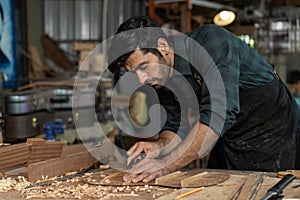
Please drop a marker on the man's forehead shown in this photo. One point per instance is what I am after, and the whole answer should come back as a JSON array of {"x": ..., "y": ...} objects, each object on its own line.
[{"x": 137, "y": 56}]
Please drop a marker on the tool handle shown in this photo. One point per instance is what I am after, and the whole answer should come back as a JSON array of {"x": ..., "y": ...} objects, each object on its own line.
[{"x": 278, "y": 187}]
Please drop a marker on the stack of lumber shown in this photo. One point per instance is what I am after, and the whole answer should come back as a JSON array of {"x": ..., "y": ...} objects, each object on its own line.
[
  {"x": 34, "y": 150},
  {"x": 42, "y": 150},
  {"x": 14, "y": 155}
]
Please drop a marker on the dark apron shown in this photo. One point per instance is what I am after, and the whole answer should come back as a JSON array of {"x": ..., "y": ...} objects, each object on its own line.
[{"x": 265, "y": 135}]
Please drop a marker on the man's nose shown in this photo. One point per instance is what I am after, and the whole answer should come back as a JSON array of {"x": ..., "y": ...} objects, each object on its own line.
[{"x": 142, "y": 76}]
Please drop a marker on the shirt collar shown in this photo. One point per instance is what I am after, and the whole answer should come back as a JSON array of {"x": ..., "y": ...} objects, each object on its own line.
[{"x": 180, "y": 63}]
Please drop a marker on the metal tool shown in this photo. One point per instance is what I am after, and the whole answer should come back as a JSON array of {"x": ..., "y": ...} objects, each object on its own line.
[
  {"x": 276, "y": 191},
  {"x": 80, "y": 173},
  {"x": 136, "y": 160}
]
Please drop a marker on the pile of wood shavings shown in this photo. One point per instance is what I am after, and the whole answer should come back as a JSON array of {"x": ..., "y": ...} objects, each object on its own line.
[
  {"x": 9, "y": 183},
  {"x": 75, "y": 189}
]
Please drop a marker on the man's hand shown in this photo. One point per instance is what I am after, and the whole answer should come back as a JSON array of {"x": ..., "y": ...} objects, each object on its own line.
[
  {"x": 146, "y": 171},
  {"x": 151, "y": 149},
  {"x": 163, "y": 145},
  {"x": 197, "y": 144}
]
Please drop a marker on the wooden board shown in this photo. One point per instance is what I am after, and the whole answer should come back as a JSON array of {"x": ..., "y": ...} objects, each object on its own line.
[
  {"x": 192, "y": 179},
  {"x": 290, "y": 192},
  {"x": 168, "y": 177},
  {"x": 251, "y": 186},
  {"x": 71, "y": 149},
  {"x": 60, "y": 166},
  {"x": 195, "y": 179},
  {"x": 204, "y": 179},
  {"x": 244, "y": 194},
  {"x": 42, "y": 150},
  {"x": 225, "y": 190}
]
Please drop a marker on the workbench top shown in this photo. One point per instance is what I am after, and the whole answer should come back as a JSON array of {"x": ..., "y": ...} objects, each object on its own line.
[{"x": 225, "y": 190}]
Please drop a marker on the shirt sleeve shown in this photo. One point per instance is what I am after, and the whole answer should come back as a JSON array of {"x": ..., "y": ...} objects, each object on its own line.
[{"x": 223, "y": 105}]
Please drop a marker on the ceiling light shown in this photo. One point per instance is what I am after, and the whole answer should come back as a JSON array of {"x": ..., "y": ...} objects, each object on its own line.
[{"x": 224, "y": 18}]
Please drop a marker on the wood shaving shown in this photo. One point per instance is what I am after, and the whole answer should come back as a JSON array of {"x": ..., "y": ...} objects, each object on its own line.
[
  {"x": 85, "y": 191},
  {"x": 9, "y": 183}
]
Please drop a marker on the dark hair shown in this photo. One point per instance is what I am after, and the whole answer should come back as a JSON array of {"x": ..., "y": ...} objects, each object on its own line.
[{"x": 131, "y": 36}]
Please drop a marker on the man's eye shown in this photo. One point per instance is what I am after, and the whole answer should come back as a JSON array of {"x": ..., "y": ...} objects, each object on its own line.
[{"x": 142, "y": 67}]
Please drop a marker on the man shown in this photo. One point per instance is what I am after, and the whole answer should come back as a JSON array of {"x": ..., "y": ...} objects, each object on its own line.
[{"x": 247, "y": 120}]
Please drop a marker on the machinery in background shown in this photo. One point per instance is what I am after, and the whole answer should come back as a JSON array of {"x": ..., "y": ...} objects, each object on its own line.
[{"x": 27, "y": 112}]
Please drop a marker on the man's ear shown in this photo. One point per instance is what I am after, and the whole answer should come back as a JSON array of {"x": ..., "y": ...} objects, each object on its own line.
[{"x": 163, "y": 45}]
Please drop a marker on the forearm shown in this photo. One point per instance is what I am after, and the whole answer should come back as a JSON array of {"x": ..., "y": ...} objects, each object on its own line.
[
  {"x": 198, "y": 143},
  {"x": 169, "y": 141}
]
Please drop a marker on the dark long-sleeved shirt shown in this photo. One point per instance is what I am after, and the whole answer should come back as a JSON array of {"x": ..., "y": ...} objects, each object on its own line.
[{"x": 226, "y": 65}]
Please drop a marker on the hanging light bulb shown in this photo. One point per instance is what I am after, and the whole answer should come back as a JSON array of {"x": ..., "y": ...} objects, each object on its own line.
[
  {"x": 224, "y": 15},
  {"x": 224, "y": 18}
]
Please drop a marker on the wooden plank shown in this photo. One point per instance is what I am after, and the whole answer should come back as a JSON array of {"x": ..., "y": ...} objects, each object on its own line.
[
  {"x": 224, "y": 191},
  {"x": 71, "y": 149},
  {"x": 32, "y": 141},
  {"x": 13, "y": 147},
  {"x": 14, "y": 155},
  {"x": 289, "y": 192},
  {"x": 167, "y": 177},
  {"x": 60, "y": 166},
  {"x": 41, "y": 142},
  {"x": 43, "y": 150},
  {"x": 45, "y": 156},
  {"x": 187, "y": 181},
  {"x": 252, "y": 186},
  {"x": 15, "y": 160},
  {"x": 4, "y": 155},
  {"x": 204, "y": 179},
  {"x": 245, "y": 192}
]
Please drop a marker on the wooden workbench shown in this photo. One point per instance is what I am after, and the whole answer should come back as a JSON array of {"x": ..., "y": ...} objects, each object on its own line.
[{"x": 224, "y": 190}]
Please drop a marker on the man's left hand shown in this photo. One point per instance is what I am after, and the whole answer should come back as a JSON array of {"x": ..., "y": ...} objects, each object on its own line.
[{"x": 146, "y": 170}]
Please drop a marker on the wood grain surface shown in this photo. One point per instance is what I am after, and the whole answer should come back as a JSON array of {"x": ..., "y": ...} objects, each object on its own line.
[{"x": 180, "y": 179}]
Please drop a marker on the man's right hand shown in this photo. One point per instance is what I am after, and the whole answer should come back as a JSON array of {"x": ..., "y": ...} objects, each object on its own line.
[
  {"x": 151, "y": 149},
  {"x": 166, "y": 142}
]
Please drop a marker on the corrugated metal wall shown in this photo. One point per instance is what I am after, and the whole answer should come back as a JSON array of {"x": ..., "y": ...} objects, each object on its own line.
[{"x": 94, "y": 20}]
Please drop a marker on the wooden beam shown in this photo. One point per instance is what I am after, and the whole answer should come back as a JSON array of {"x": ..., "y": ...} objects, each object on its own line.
[{"x": 60, "y": 166}]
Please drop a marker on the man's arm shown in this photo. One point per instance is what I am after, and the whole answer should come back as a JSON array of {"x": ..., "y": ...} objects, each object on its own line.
[
  {"x": 198, "y": 143},
  {"x": 166, "y": 142}
]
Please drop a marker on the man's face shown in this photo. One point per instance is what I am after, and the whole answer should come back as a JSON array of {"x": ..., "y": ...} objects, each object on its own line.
[{"x": 149, "y": 68}]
